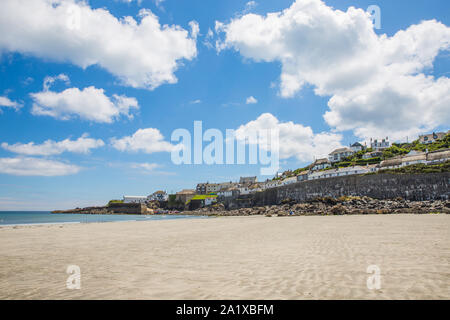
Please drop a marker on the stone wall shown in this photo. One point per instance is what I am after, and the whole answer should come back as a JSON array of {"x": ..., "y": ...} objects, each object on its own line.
[
  {"x": 416, "y": 187},
  {"x": 128, "y": 208}
]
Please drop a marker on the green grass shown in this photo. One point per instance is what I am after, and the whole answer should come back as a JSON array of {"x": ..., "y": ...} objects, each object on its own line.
[
  {"x": 203, "y": 196},
  {"x": 114, "y": 201}
]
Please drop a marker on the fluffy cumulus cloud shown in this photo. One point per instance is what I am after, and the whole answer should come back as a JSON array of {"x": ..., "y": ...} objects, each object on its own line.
[
  {"x": 148, "y": 140},
  {"x": 295, "y": 140},
  {"x": 88, "y": 104},
  {"x": 378, "y": 85},
  {"x": 84, "y": 144},
  {"x": 8, "y": 103},
  {"x": 25, "y": 166},
  {"x": 141, "y": 53},
  {"x": 251, "y": 100}
]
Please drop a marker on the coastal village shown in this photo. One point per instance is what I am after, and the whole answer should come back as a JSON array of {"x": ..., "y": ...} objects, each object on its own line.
[{"x": 357, "y": 159}]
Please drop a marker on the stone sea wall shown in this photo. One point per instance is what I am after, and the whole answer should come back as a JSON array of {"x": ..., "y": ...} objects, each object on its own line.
[{"x": 414, "y": 187}]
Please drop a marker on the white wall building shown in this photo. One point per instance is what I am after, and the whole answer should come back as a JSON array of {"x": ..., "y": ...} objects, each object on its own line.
[
  {"x": 225, "y": 193},
  {"x": 289, "y": 181},
  {"x": 320, "y": 164},
  {"x": 339, "y": 154},
  {"x": 356, "y": 147},
  {"x": 341, "y": 172},
  {"x": 378, "y": 145},
  {"x": 158, "y": 196},
  {"x": 135, "y": 199},
  {"x": 210, "y": 201},
  {"x": 303, "y": 176},
  {"x": 271, "y": 184}
]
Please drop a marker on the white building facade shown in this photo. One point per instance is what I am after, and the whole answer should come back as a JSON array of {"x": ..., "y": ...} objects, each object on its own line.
[{"x": 135, "y": 199}]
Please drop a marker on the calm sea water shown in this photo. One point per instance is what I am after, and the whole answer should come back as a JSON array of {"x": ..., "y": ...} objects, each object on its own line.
[{"x": 45, "y": 217}]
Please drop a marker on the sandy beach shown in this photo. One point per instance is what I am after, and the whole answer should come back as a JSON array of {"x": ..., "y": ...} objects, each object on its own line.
[{"x": 231, "y": 258}]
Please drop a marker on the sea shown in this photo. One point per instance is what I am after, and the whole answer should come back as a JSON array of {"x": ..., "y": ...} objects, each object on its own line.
[{"x": 45, "y": 217}]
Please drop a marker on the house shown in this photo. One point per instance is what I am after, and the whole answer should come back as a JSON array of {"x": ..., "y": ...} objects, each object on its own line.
[
  {"x": 209, "y": 201},
  {"x": 414, "y": 159},
  {"x": 201, "y": 188},
  {"x": 378, "y": 145},
  {"x": 185, "y": 195},
  {"x": 402, "y": 161},
  {"x": 207, "y": 188},
  {"x": 199, "y": 201},
  {"x": 255, "y": 187},
  {"x": 417, "y": 158},
  {"x": 357, "y": 147},
  {"x": 392, "y": 163},
  {"x": 432, "y": 137},
  {"x": 225, "y": 192},
  {"x": 373, "y": 154},
  {"x": 134, "y": 199},
  {"x": 289, "y": 180},
  {"x": 438, "y": 156},
  {"x": 248, "y": 180},
  {"x": 212, "y": 188},
  {"x": 303, "y": 176},
  {"x": 271, "y": 184},
  {"x": 320, "y": 164},
  {"x": 243, "y": 190},
  {"x": 340, "y": 172},
  {"x": 158, "y": 196},
  {"x": 339, "y": 154}
]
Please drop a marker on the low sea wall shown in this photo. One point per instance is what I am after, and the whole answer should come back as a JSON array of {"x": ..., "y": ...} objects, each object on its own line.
[{"x": 415, "y": 187}]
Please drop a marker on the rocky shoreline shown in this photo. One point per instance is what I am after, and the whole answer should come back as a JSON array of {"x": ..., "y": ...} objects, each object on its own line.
[
  {"x": 288, "y": 207},
  {"x": 331, "y": 206}
]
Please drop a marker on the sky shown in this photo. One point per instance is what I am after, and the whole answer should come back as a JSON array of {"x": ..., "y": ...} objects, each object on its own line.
[{"x": 91, "y": 91}]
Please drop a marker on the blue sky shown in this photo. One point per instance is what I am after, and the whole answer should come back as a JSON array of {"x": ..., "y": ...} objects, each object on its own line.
[{"x": 212, "y": 85}]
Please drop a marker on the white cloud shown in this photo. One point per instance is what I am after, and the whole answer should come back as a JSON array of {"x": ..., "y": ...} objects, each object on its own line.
[
  {"x": 250, "y": 5},
  {"x": 376, "y": 83},
  {"x": 195, "y": 101},
  {"x": 208, "y": 39},
  {"x": 36, "y": 167},
  {"x": 151, "y": 168},
  {"x": 50, "y": 147},
  {"x": 89, "y": 104},
  {"x": 142, "y": 54},
  {"x": 130, "y": 1},
  {"x": 195, "y": 29},
  {"x": 295, "y": 140},
  {"x": 48, "y": 81},
  {"x": 7, "y": 103},
  {"x": 148, "y": 140},
  {"x": 251, "y": 100}
]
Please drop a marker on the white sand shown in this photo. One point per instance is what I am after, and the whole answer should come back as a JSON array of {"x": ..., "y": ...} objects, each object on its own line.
[{"x": 231, "y": 258}]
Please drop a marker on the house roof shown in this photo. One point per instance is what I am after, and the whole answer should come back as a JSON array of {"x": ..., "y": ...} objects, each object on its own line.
[
  {"x": 186, "y": 191},
  {"x": 247, "y": 179},
  {"x": 321, "y": 161},
  {"x": 439, "y": 135},
  {"x": 438, "y": 155},
  {"x": 341, "y": 150},
  {"x": 357, "y": 144},
  {"x": 159, "y": 192}
]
